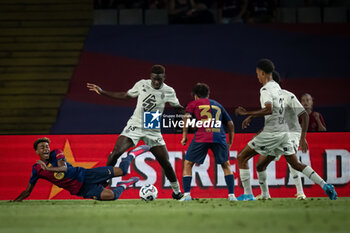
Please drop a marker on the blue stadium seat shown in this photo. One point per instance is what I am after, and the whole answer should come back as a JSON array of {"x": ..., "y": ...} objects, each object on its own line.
[
  {"x": 335, "y": 15},
  {"x": 287, "y": 15},
  {"x": 156, "y": 16},
  {"x": 105, "y": 17},
  {"x": 309, "y": 15},
  {"x": 130, "y": 16}
]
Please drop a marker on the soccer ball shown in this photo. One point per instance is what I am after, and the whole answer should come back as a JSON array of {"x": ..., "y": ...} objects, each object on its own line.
[{"x": 148, "y": 192}]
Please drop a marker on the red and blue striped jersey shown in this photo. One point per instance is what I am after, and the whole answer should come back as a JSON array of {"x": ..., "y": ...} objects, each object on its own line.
[
  {"x": 71, "y": 180},
  {"x": 205, "y": 109}
]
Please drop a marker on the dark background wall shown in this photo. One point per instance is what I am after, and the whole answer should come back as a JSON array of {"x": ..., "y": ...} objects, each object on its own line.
[{"x": 312, "y": 58}]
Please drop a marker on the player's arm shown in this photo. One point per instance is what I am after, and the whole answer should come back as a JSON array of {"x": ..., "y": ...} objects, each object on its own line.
[
  {"x": 267, "y": 110},
  {"x": 25, "y": 193},
  {"x": 61, "y": 166},
  {"x": 231, "y": 133},
  {"x": 111, "y": 94},
  {"x": 304, "y": 126},
  {"x": 185, "y": 129},
  {"x": 253, "y": 114}
]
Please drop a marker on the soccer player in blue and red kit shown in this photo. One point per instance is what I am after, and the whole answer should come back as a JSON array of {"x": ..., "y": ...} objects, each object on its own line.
[
  {"x": 210, "y": 118},
  {"x": 79, "y": 181}
]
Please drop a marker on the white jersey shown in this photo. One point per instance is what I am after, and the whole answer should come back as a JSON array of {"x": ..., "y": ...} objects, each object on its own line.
[
  {"x": 150, "y": 100},
  {"x": 271, "y": 93},
  {"x": 293, "y": 109}
]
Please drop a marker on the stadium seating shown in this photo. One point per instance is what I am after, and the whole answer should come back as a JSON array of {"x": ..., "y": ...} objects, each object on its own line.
[
  {"x": 130, "y": 16},
  {"x": 309, "y": 15},
  {"x": 287, "y": 15},
  {"x": 105, "y": 17},
  {"x": 335, "y": 15},
  {"x": 40, "y": 43},
  {"x": 155, "y": 16}
]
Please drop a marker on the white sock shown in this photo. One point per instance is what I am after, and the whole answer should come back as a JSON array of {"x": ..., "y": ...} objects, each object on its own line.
[
  {"x": 175, "y": 186},
  {"x": 187, "y": 194},
  {"x": 245, "y": 179},
  {"x": 312, "y": 175},
  {"x": 297, "y": 179},
  {"x": 262, "y": 177}
]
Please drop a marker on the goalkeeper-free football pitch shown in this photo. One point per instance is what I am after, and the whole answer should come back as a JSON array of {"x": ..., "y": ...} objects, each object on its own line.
[{"x": 169, "y": 216}]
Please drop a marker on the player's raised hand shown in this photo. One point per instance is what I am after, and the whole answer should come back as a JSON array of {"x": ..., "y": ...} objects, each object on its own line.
[
  {"x": 95, "y": 88},
  {"x": 42, "y": 164},
  {"x": 246, "y": 122},
  {"x": 240, "y": 111},
  {"x": 303, "y": 145}
]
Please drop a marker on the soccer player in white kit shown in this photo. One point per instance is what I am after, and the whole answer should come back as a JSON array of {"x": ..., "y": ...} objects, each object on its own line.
[
  {"x": 152, "y": 96},
  {"x": 297, "y": 135},
  {"x": 274, "y": 138}
]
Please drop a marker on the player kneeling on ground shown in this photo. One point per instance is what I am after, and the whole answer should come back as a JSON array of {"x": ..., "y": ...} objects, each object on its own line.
[{"x": 79, "y": 181}]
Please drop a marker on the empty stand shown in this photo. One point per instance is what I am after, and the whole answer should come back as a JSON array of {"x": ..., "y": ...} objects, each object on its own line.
[
  {"x": 105, "y": 17},
  {"x": 130, "y": 16},
  {"x": 309, "y": 15},
  {"x": 40, "y": 43},
  {"x": 287, "y": 15},
  {"x": 335, "y": 15},
  {"x": 155, "y": 16}
]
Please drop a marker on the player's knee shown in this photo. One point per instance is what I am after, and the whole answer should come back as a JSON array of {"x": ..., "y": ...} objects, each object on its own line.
[
  {"x": 260, "y": 167},
  {"x": 240, "y": 158},
  {"x": 188, "y": 164},
  {"x": 107, "y": 195},
  {"x": 226, "y": 165},
  {"x": 117, "y": 152}
]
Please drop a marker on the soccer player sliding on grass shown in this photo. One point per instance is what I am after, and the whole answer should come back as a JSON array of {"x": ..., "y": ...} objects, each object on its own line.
[
  {"x": 274, "y": 138},
  {"x": 79, "y": 181}
]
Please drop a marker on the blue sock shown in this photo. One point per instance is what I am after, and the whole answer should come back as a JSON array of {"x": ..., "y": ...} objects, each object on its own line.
[
  {"x": 230, "y": 182},
  {"x": 117, "y": 192},
  {"x": 125, "y": 163},
  {"x": 186, "y": 183}
]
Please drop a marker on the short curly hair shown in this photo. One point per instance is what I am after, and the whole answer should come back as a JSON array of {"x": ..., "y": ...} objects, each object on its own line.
[{"x": 39, "y": 140}]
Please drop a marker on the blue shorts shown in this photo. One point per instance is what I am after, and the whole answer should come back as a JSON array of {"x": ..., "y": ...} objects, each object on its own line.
[
  {"x": 92, "y": 187},
  {"x": 197, "y": 151}
]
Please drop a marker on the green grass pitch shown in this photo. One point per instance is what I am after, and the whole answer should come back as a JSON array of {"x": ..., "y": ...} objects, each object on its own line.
[{"x": 169, "y": 216}]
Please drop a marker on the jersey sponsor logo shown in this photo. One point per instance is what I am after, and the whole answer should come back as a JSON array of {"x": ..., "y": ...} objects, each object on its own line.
[
  {"x": 151, "y": 120},
  {"x": 149, "y": 103},
  {"x": 59, "y": 175}
]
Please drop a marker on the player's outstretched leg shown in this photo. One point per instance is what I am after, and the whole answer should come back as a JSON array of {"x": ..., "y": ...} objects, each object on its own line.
[
  {"x": 312, "y": 175},
  {"x": 123, "y": 143},
  {"x": 139, "y": 150},
  {"x": 161, "y": 154},
  {"x": 298, "y": 184},
  {"x": 244, "y": 173},
  {"x": 122, "y": 185},
  {"x": 124, "y": 165}
]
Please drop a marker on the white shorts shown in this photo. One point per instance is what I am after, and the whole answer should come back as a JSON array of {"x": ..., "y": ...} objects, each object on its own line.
[
  {"x": 272, "y": 143},
  {"x": 150, "y": 137},
  {"x": 294, "y": 139}
]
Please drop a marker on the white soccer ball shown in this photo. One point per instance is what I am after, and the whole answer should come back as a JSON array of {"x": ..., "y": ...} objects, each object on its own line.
[{"x": 148, "y": 192}]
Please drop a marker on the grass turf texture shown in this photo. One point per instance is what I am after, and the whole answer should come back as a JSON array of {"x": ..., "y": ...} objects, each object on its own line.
[{"x": 167, "y": 216}]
